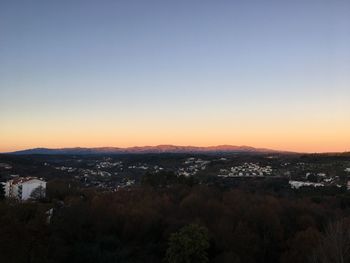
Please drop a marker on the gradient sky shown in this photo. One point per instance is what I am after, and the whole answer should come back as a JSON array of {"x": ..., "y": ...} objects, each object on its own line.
[{"x": 269, "y": 73}]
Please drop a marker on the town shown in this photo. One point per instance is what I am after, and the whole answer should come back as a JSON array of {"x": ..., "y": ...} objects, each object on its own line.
[{"x": 110, "y": 173}]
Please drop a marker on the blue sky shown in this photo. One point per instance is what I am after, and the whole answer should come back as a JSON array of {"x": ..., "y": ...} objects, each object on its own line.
[{"x": 210, "y": 64}]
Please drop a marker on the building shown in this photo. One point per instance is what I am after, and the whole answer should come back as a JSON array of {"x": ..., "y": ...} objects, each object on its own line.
[{"x": 24, "y": 188}]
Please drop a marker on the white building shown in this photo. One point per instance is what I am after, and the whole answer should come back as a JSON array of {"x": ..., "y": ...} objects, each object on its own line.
[
  {"x": 298, "y": 184},
  {"x": 22, "y": 188}
]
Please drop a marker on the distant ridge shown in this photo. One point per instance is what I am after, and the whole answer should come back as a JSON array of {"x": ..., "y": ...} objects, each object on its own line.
[{"x": 147, "y": 149}]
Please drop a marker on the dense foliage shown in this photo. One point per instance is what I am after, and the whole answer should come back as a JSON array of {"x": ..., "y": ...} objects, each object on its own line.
[
  {"x": 177, "y": 223},
  {"x": 188, "y": 245}
]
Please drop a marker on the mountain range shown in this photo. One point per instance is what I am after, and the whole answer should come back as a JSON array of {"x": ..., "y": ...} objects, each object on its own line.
[{"x": 146, "y": 149}]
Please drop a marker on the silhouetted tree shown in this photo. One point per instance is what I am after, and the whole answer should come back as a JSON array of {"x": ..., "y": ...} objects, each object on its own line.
[
  {"x": 133, "y": 225},
  {"x": 188, "y": 245},
  {"x": 335, "y": 244},
  {"x": 38, "y": 193},
  {"x": 60, "y": 189},
  {"x": 301, "y": 246}
]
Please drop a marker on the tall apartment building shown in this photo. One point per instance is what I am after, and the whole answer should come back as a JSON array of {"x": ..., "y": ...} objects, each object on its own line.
[{"x": 24, "y": 188}]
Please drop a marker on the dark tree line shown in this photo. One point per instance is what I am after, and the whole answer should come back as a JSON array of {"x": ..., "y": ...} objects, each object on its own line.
[{"x": 174, "y": 223}]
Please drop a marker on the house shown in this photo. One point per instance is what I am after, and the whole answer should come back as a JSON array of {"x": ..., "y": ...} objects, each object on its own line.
[
  {"x": 298, "y": 184},
  {"x": 24, "y": 188},
  {"x": 5, "y": 166}
]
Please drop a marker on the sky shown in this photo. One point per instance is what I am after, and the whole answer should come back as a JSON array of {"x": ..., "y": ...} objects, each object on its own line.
[{"x": 271, "y": 74}]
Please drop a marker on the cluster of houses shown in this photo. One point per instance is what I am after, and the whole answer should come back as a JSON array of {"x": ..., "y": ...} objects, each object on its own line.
[
  {"x": 5, "y": 166},
  {"x": 66, "y": 169},
  {"x": 89, "y": 172},
  {"x": 98, "y": 166},
  {"x": 192, "y": 166},
  {"x": 108, "y": 164},
  {"x": 25, "y": 188},
  {"x": 99, "y": 174},
  {"x": 246, "y": 170},
  {"x": 319, "y": 180},
  {"x": 297, "y": 184},
  {"x": 140, "y": 166}
]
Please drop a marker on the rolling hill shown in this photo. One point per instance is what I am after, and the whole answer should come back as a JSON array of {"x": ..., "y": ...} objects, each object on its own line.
[{"x": 146, "y": 149}]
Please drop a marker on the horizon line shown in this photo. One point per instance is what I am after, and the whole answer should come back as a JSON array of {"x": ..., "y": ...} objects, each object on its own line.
[{"x": 174, "y": 145}]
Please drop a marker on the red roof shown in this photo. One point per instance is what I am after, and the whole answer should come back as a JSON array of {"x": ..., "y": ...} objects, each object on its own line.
[{"x": 21, "y": 180}]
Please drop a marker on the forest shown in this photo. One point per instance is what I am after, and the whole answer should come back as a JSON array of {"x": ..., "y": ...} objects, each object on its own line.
[{"x": 177, "y": 222}]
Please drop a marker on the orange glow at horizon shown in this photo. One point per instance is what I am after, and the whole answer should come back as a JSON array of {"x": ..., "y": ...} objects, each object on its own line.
[
  {"x": 314, "y": 131},
  {"x": 310, "y": 140}
]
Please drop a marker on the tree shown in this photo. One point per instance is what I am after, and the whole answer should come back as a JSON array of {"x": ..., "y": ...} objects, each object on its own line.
[
  {"x": 188, "y": 245},
  {"x": 38, "y": 193},
  {"x": 335, "y": 245},
  {"x": 162, "y": 179},
  {"x": 60, "y": 189},
  {"x": 300, "y": 246}
]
